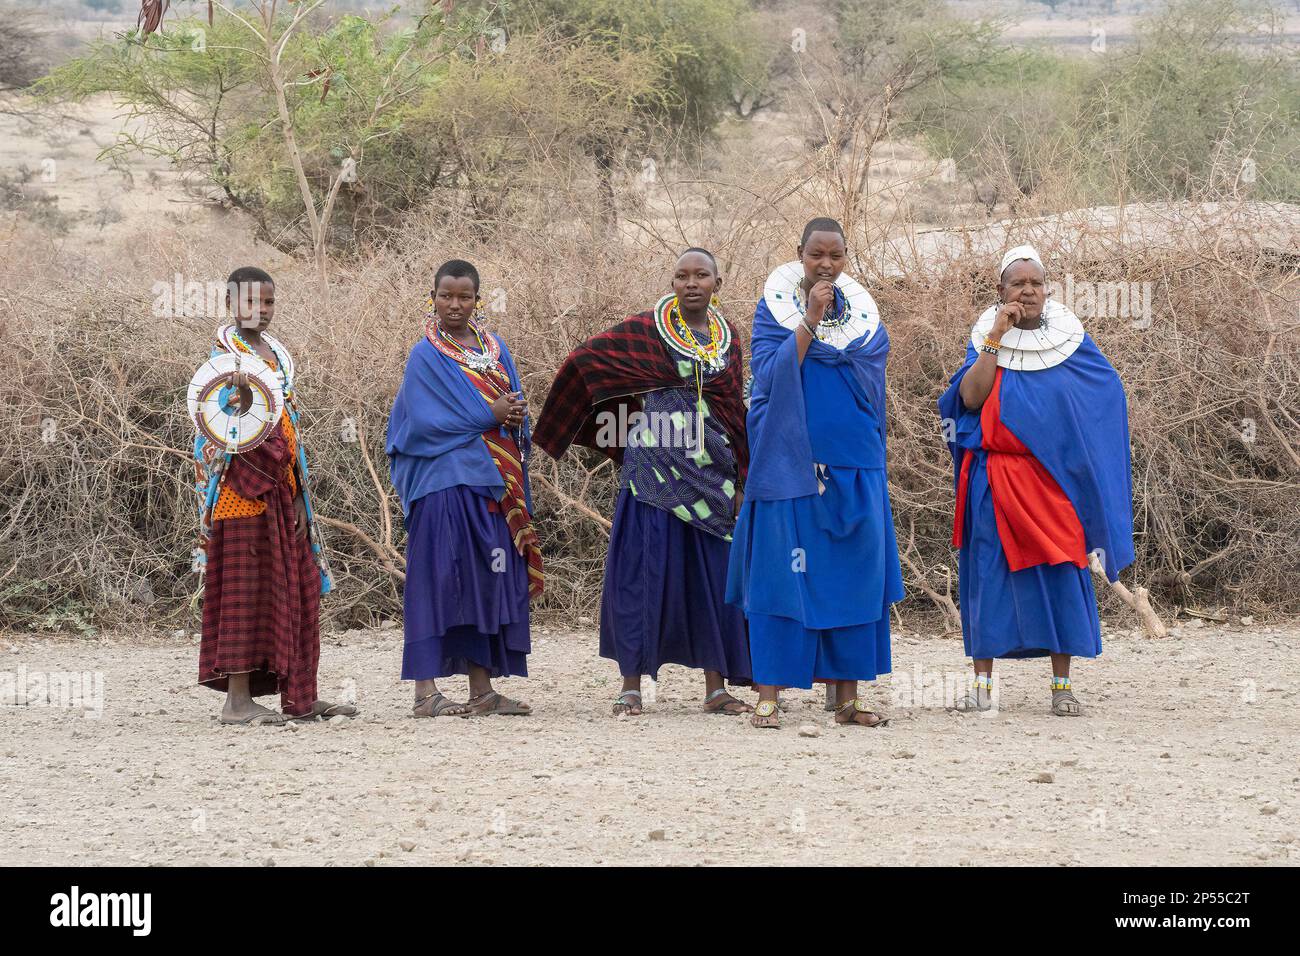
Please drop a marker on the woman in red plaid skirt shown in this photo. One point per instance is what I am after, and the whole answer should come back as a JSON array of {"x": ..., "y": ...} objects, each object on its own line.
[{"x": 264, "y": 568}]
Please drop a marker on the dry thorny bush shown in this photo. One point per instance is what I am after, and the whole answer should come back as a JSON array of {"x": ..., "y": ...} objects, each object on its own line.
[{"x": 98, "y": 510}]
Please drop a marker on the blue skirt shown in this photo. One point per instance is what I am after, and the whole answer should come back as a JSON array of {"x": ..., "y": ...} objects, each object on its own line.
[
  {"x": 663, "y": 600},
  {"x": 1046, "y": 609},
  {"x": 466, "y": 597},
  {"x": 787, "y": 654},
  {"x": 816, "y": 576}
]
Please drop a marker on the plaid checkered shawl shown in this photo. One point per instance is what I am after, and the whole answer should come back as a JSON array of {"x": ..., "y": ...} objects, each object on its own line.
[{"x": 616, "y": 366}]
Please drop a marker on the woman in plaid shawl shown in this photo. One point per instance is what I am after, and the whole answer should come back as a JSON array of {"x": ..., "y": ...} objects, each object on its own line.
[
  {"x": 264, "y": 570},
  {"x": 458, "y": 452},
  {"x": 660, "y": 395}
]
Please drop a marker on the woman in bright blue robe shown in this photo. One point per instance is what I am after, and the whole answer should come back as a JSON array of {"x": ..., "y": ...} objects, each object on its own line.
[{"x": 814, "y": 561}]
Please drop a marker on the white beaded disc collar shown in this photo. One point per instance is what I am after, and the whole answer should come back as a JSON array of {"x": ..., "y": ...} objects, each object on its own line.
[
  {"x": 861, "y": 318},
  {"x": 229, "y": 339},
  {"x": 1029, "y": 350}
]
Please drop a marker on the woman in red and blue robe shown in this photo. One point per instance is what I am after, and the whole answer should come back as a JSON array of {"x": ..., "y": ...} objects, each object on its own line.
[{"x": 1037, "y": 423}]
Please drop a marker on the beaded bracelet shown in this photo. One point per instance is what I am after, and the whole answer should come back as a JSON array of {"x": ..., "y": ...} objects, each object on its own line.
[
  {"x": 807, "y": 328},
  {"x": 991, "y": 347}
]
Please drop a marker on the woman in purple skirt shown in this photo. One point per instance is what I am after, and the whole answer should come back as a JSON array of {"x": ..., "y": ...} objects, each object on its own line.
[
  {"x": 457, "y": 447},
  {"x": 661, "y": 394}
]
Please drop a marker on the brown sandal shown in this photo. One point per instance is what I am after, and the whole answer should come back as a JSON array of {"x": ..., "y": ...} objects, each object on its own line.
[
  {"x": 493, "y": 703},
  {"x": 721, "y": 692},
  {"x": 1065, "y": 704},
  {"x": 859, "y": 706},
  {"x": 438, "y": 706}
]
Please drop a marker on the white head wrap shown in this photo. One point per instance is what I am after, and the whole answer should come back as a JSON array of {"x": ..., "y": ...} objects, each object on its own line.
[{"x": 1016, "y": 255}]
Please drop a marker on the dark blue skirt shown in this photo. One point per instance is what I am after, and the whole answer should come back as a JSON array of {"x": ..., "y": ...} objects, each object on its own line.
[
  {"x": 466, "y": 598},
  {"x": 664, "y": 597}
]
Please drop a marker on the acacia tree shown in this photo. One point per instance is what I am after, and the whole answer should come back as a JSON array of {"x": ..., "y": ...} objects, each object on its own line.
[
  {"x": 327, "y": 132},
  {"x": 277, "y": 114},
  {"x": 692, "y": 52}
]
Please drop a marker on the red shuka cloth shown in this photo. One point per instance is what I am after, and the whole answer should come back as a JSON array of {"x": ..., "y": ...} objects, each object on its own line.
[
  {"x": 261, "y": 590},
  {"x": 1037, "y": 523}
]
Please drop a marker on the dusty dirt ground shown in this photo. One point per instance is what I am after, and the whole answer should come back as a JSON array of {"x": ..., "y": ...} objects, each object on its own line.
[{"x": 1186, "y": 755}]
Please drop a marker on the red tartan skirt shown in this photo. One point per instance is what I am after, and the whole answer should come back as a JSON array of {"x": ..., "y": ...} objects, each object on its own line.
[{"x": 261, "y": 592}]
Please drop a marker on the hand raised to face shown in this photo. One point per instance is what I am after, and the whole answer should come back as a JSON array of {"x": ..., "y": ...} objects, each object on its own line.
[{"x": 820, "y": 298}]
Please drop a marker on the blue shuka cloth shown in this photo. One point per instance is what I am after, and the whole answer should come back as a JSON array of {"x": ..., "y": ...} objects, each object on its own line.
[
  {"x": 1046, "y": 609},
  {"x": 461, "y": 607},
  {"x": 436, "y": 428},
  {"x": 1073, "y": 418},
  {"x": 814, "y": 561},
  {"x": 780, "y": 452}
]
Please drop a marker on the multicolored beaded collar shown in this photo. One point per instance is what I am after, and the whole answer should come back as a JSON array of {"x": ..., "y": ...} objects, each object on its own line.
[
  {"x": 681, "y": 338},
  {"x": 229, "y": 339}
]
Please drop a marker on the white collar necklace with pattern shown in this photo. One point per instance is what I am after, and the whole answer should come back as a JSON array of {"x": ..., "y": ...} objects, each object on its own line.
[
  {"x": 228, "y": 338},
  {"x": 861, "y": 317},
  {"x": 1029, "y": 350}
]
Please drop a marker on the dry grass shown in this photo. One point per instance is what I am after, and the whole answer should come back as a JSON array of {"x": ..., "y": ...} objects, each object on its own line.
[{"x": 97, "y": 511}]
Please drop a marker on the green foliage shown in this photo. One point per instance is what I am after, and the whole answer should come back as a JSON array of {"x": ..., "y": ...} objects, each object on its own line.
[
  {"x": 1015, "y": 106},
  {"x": 695, "y": 50},
  {"x": 1207, "y": 101},
  {"x": 383, "y": 118},
  {"x": 187, "y": 93},
  {"x": 918, "y": 41},
  {"x": 1193, "y": 105}
]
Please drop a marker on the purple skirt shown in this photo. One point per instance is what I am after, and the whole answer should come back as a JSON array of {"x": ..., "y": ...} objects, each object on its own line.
[
  {"x": 466, "y": 598},
  {"x": 663, "y": 601}
]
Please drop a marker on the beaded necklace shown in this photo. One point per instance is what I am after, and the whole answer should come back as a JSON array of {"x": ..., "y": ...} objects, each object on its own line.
[
  {"x": 487, "y": 360},
  {"x": 711, "y": 354},
  {"x": 839, "y": 314},
  {"x": 280, "y": 367},
  {"x": 682, "y": 339}
]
